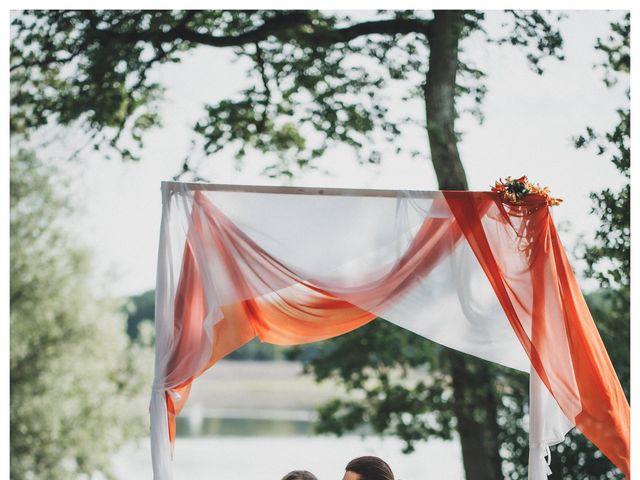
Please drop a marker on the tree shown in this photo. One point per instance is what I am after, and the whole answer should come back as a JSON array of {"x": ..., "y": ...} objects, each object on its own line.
[
  {"x": 320, "y": 80},
  {"x": 75, "y": 384}
]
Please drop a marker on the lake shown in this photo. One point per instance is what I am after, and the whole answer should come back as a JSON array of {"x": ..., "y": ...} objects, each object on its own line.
[
  {"x": 264, "y": 458},
  {"x": 253, "y": 421}
]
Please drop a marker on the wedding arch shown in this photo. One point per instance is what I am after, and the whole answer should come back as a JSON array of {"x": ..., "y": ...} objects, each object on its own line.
[{"x": 481, "y": 272}]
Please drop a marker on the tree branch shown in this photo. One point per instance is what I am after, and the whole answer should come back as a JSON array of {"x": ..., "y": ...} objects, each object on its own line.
[
  {"x": 380, "y": 27},
  {"x": 278, "y": 25}
]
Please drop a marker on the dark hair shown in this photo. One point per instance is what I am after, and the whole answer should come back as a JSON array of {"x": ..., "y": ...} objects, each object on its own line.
[
  {"x": 370, "y": 468},
  {"x": 299, "y": 475}
]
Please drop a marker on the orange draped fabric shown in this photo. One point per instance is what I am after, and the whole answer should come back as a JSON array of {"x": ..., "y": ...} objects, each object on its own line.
[
  {"x": 517, "y": 247},
  {"x": 297, "y": 313},
  {"x": 542, "y": 300}
]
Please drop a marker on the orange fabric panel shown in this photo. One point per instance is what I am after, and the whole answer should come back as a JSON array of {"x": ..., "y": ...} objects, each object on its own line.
[
  {"x": 316, "y": 316},
  {"x": 605, "y": 416},
  {"x": 520, "y": 251},
  {"x": 291, "y": 311},
  {"x": 229, "y": 334}
]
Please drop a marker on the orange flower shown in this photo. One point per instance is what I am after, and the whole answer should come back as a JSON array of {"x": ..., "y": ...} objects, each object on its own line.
[
  {"x": 498, "y": 187},
  {"x": 513, "y": 191}
]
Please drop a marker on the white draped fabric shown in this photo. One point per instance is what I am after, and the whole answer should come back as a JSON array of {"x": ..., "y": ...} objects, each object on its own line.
[{"x": 320, "y": 264}]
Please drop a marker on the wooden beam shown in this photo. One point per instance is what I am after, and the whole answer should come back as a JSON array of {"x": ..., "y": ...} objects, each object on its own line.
[{"x": 344, "y": 192}]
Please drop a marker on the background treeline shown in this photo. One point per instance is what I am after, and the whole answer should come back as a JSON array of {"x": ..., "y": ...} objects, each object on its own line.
[{"x": 78, "y": 385}]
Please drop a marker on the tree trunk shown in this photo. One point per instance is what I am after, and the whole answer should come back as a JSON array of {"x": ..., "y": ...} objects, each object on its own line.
[
  {"x": 474, "y": 405},
  {"x": 474, "y": 399},
  {"x": 440, "y": 99}
]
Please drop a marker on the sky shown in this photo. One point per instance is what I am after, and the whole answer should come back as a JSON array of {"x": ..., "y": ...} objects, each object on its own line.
[{"x": 530, "y": 121}]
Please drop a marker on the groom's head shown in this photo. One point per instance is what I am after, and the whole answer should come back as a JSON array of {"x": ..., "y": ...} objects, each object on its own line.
[{"x": 368, "y": 468}]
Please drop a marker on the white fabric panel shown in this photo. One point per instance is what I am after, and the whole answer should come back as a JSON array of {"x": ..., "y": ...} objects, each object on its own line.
[
  {"x": 547, "y": 427},
  {"x": 165, "y": 295},
  {"x": 456, "y": 307}
]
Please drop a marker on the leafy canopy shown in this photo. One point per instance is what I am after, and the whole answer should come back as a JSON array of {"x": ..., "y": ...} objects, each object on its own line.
[{"x": 315, "y": 79}]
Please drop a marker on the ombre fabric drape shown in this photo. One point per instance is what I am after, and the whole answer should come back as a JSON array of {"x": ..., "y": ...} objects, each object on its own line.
[{"x": 459, "y": 268}]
